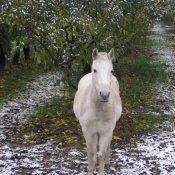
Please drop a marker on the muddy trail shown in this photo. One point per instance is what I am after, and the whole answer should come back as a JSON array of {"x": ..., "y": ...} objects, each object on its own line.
[{"x": 150, "y": 154}]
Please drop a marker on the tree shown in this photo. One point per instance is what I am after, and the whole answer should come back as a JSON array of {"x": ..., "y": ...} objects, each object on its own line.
[
  {"x": 2, "y": 58},
  {"x": 5, "y": 37},
  {"x": 63, "y": 33}
]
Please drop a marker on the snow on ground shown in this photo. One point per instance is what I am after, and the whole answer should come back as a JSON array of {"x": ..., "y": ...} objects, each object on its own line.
[
  {"x": 37, "y": 93},
  {"x": 152, "y": 154},
  {"x": 166, "y": 52}
]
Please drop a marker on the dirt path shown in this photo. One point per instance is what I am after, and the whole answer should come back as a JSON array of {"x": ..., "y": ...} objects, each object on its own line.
[{"x": 152, "y": 154}]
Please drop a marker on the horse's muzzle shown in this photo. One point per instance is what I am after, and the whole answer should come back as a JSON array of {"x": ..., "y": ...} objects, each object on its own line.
[{"x": 104, "y": 96}]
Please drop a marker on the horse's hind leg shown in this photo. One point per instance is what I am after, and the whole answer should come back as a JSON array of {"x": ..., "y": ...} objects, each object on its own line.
[{"x": 91, "y": 142}]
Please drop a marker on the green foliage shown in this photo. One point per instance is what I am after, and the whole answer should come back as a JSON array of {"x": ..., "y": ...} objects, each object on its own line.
[
  {"x": 169, "y": 11},
  {"x": 60, "y": 32}
]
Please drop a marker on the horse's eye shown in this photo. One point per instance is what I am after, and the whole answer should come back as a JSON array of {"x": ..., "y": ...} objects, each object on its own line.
[
  {"x": 112, "y": 71},
  {"x": 95, "y": 70}
]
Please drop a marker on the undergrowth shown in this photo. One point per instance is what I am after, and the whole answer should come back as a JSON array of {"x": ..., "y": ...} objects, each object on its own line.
[
  {"x": 13, "y": 81},
  {"x": 55, "y": 120},
  {"x": 142, "y": 73},
  {"x": 136, "y": 73}
]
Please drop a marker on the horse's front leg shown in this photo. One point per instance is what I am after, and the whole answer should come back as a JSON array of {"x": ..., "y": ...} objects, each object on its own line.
[
  {"x": 107, "y": 160},
  {"x": 104, "y": 146},
  {"x": 91, "y": 142}
]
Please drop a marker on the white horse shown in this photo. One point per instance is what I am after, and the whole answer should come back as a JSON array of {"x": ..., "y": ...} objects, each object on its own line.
[{"x": 97, "y": 105}]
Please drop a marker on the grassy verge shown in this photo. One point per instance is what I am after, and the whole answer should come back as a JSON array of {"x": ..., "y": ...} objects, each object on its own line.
[
  {"x": 136, "y": 73},
  {"x": 54, "y": 120},
  {"x": 142, "y": 74},
  {"x": 13, "y": 82}
]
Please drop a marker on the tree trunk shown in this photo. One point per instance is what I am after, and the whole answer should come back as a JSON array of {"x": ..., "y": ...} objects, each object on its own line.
[
  {"x": 27, "y": 52},
  {"x": 16, "y": 58},
  {"x": 2, "y": 58},
  {"x": 86, "y": 67}
]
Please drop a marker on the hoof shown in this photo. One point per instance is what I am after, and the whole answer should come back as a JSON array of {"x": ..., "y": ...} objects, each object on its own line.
[
  {"x": 90, "y": 173},
  {"x": 100, "y": 174},
  {"x": 107, "y": 162}
]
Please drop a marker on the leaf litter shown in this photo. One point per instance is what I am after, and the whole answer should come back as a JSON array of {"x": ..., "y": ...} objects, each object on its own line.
[{"x": 150, "y": 154}]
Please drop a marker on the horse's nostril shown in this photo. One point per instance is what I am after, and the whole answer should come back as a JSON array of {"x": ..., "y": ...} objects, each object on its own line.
[{"x": 104, "y": 95}]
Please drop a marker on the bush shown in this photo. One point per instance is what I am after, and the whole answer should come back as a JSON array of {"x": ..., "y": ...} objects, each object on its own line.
[{"x": 64, "y": 33}]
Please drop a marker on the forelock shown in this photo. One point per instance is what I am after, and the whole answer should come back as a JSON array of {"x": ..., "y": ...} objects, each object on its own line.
[{"x": 102, "y": 56}]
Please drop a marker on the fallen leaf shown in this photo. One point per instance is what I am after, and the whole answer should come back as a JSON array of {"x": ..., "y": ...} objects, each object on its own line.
[
  {"x": 116, "y": 138},
  {"x": 122, "y": 146}
]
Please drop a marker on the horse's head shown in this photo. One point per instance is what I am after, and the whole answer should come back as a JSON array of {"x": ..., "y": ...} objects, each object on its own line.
[{"x": 102, "y": 73}]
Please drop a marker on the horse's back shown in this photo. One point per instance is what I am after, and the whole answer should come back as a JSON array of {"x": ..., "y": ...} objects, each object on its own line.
[
  {"x": 82, "y": 93},
  {"x": 85, "y": 80}
]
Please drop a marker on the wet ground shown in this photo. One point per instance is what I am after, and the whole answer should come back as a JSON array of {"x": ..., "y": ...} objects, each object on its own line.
[{"x": 151, "y": 154}]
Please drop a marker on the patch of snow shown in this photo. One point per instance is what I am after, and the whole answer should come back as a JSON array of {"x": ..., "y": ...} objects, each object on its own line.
[
  {"x": 74, "y": 152},
  {"x": 40, "y": 91}
]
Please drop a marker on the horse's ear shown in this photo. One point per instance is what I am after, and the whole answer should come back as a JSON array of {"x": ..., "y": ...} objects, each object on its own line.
[
  {"x": 111, "y": 54},
  {"x": 94, "y": 53}
]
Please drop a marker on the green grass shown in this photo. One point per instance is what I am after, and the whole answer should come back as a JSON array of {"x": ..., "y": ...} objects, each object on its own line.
[
  {"x": 146, "y": 73},
  {"x": 153, "y": 41},
  {"x": 59, "y": 106},
  {"x": 11, "y": 84},
  {"x": 55, "y": 120},
  {"x": 147, "y": 121},
  {"x": 138, "y": 75}
]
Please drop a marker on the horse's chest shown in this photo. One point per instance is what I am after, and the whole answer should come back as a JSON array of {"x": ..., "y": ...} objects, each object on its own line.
[
  {"x": 99, "y": 117},
  {"x": 104, "y": 111}
]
